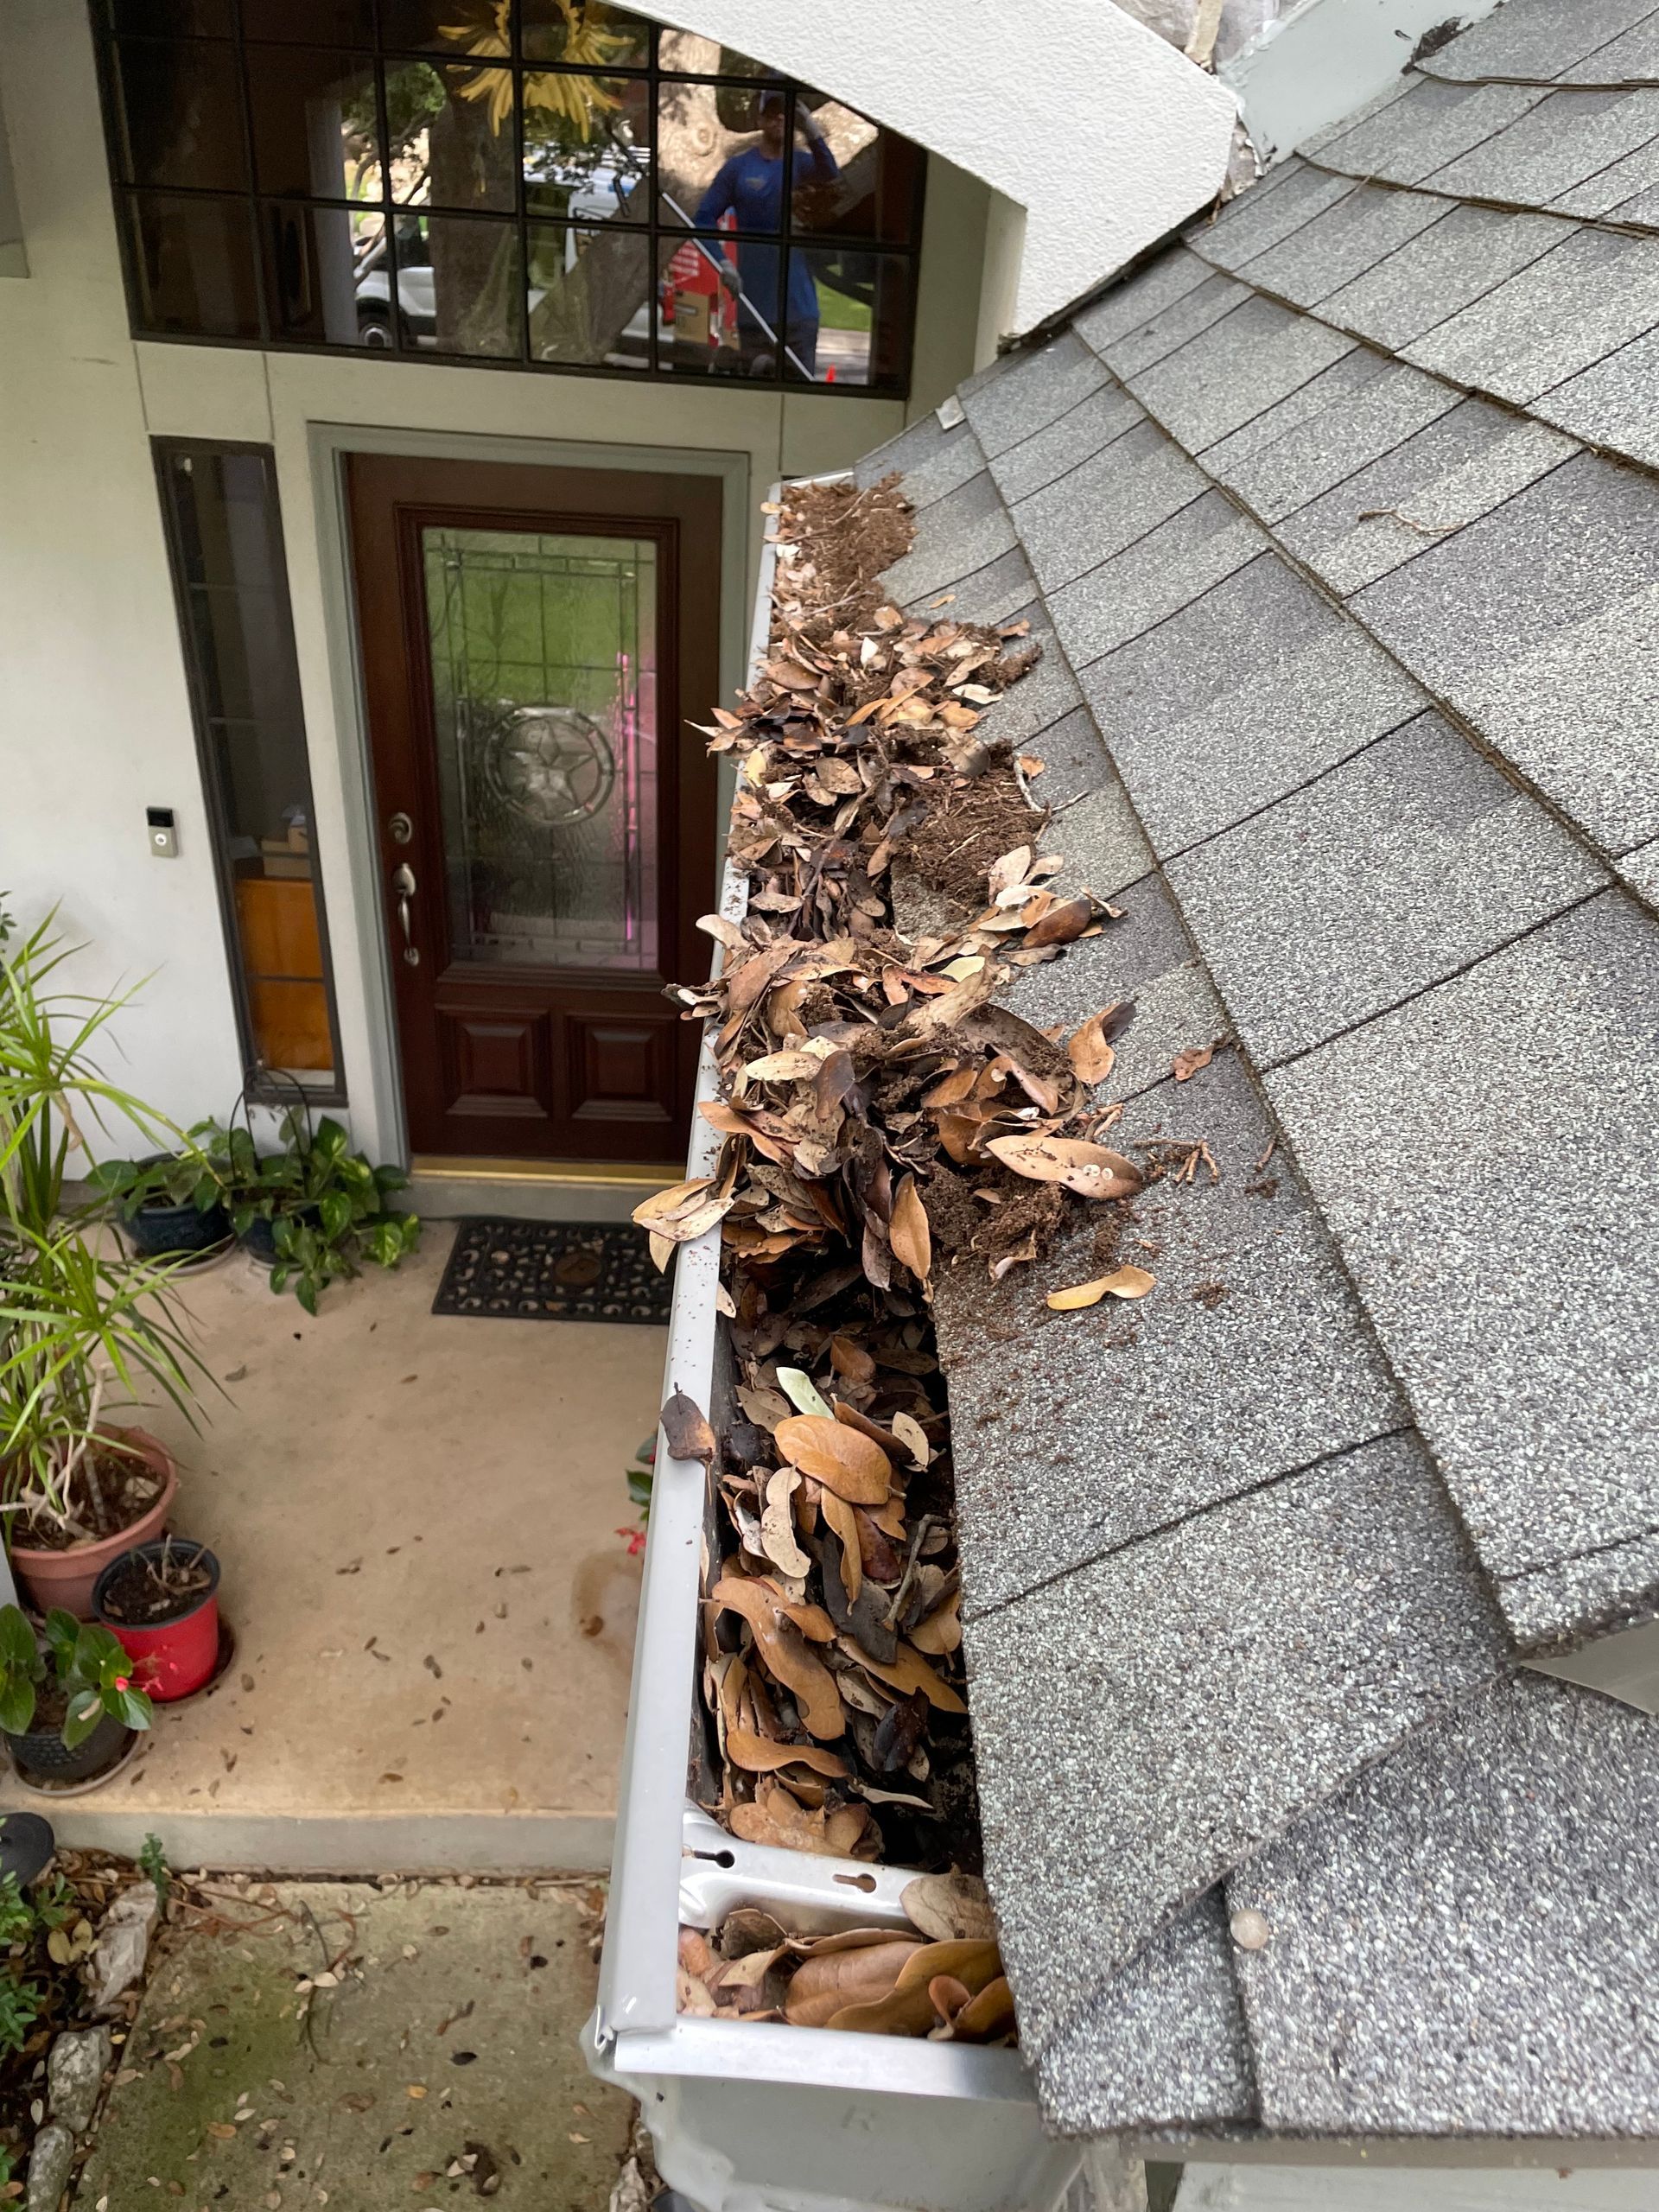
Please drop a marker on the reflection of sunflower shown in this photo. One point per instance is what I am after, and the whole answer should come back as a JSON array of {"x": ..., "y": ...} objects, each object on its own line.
[{"x": 576, "y": 101}]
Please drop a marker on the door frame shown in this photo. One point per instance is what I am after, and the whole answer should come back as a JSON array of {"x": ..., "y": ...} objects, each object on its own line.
[{"x": 329, "y": 443}]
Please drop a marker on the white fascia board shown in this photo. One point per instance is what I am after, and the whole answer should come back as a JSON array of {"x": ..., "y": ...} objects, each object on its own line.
[
  {"x": 1328, "y": 60},
  {"x": 1096, "y": 127}
]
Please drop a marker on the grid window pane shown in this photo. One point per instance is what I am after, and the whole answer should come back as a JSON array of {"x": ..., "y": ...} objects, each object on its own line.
[
  {"x": 585, "y": 34},
  {"x": 182, "y": 109},
  {"x": 459, "y": 286},
  {"x": 452, "y": 127},
  {"x": 307, "y": 22},
  {"x": 550, "y": 183},
  {"x": 317, "y": 130},
  {"x": 177, "y": 18},
  {"x": 325, "y": 274},
  {"x": 589, "y": 299},
  {"x": 858, "y": 327},
  {"x": 586, "y": 146},
  {"x": 193, "y": 266}
]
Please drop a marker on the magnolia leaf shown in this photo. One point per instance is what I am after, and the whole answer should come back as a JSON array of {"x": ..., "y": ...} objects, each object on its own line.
[
  {"x": 1123, "y": 1282},
  {"x": 908, "y": 1230},
  {"x": 1061, "y": 923},
  {"x": 777, "y": 1525},
  {"x": 803, "y": 1393},
  {"x": 756, "y": 1755},
  {"x": 686, "y": 1431},
  {"x": 1090, "y": 1170},
  {"x": 852, "y": 1464},
  {"x": 950, "y": 1907}
]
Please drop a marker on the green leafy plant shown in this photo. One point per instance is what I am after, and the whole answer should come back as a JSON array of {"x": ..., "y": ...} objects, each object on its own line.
[
  {"x": 326, "y": 1204},
  {"x": 77, "y": 1321},
  {"x": 91, "y": 1672},
  {"x": 20, "y": 2007},
  {"x": 152, "y": 1861},
  {"x": 197, "y": 1173}
]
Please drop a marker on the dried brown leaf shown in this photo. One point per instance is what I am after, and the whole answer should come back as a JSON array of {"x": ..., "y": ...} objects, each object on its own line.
[
  {"x": 1128, "y": 1281},
  {"x": 950, "y": 1908},
  {"x": 686, "y": 1431},
  {"x": 1091, "y": 1170},
  {"x": 852, "y": 1464},
  {"x": 909, "y": 1231},
  {"x": 1186, "y": 1065}
]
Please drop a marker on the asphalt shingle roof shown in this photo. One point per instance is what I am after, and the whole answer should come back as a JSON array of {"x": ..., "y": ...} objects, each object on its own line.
[{"x": 1339, "y": 525}]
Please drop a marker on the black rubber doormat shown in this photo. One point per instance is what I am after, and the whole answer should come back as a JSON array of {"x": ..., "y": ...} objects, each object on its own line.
[{"x": 553, "y": 1271}]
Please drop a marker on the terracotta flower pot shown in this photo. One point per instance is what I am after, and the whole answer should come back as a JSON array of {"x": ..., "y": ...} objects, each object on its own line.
[{"x": 68, "y": 1577}]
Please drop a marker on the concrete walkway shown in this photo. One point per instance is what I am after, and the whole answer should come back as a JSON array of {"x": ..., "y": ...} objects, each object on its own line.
[
  {"x": 332, "y": 2042},
  {"x": 417, "y": 1519}
]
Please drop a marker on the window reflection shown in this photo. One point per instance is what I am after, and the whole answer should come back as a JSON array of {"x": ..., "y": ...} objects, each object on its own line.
[
  {"x": 459, "y": 286},
  {"x": 320, "y": 267},
  {"x": 315, "y": 125},
  {"x": 585, "y": 34},
  {"x": 862, "y": 314},
  {"x": 193, "y": 265},
  {"x": 181, "y": 110},
  {"x": 452, "y": 127},
  {"x": 589, "y": 296},
  {"x": 587, "y": 146}
]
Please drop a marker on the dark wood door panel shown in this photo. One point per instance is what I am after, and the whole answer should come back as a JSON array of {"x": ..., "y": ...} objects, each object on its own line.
[{"x": 535, "y": 643}]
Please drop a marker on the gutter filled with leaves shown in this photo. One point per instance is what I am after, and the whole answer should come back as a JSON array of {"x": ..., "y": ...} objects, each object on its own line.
[{"x": 881, "y": 1119}]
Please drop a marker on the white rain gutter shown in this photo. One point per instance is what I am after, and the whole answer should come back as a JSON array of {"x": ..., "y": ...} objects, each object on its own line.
[{"x": 763, "y": 2117}]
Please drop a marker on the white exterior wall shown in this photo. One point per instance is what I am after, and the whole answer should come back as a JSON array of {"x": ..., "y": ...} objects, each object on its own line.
[{"x": 1086, "y": 136}]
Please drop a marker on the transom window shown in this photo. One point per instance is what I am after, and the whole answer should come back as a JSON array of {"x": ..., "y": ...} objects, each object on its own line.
[{"x": 539, "y": 183}]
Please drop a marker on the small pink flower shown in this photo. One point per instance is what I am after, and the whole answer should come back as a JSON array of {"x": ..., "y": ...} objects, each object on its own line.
[
  {"x": 635, "y": 1539},
  {"x": 124, "y": 1682}
]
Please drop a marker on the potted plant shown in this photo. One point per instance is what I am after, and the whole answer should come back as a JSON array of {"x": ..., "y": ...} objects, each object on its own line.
[
  {"x": 80, "y": 1326},
  {"x": 67, "y": 1711},
  {"x": 172, "y": 1203},
  {"x": 316, "y": 1209},
  {"x": 161, "y": 1603}
]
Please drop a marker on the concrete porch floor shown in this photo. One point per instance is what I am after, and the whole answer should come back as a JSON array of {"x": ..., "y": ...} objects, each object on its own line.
[{"x": 416, "y": 1517}]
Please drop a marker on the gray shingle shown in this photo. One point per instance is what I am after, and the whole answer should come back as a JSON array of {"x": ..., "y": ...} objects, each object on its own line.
[
  {"x": 1439, "y": 272},
  {"x": 1162, "y": 332},
  {"x": 1073, "y": 525},
  {"x": 1466, "y": 1941},
  {"x": 1473, "y": 1152},
  {"x": 1164, "y": 2044},
  {"x": 1075, "y": 437},
  {"x": 957, "y": 534},
  {"x": 1431, "y": 126},
  {"x": 1540, "y": 622},
  {"x": 1257, "y": 220},
  {"x": 1100, "y": 1426},
  {"x": 1128, "y": 306},
  {"x": 1633, "y": 56},
  {"x": 1539, "y": 39},
  {"x": 1615, "y": 188},
  {"x": 1458, "y": 469},
  {"x": 1590, "y": 295},
  {"x": 1396, "y": 89},
  {"x": 1201, "y": 1691},
  {"x": 1040, "y": 386},
  {"x": 1343, "y": 243},
  {"x": 1604, "y": 1590},
  {"x": 1098, "y": 833},
  {"x": 1030, "y": 709},
  {"x": 1231, "y": 372},
  {"x": 994, "y": 593},
  {"x": 1613, "y": 403},
  {"x": 1390, "y": 873},
  {"x": 1173, "y": 1010},
  {"x": 1640, "y": 870},
  {"x": 1566, "y": 138},
  {"x": 1254, "y": 690},
  {"x": 932, "y": 461},
  {"x": 1154, "y": 578},
  {"x": 1360, "y": 409}
]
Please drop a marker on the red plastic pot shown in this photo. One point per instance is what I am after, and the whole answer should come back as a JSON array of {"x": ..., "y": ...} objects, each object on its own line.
[{"x": 170, "y": 1658}]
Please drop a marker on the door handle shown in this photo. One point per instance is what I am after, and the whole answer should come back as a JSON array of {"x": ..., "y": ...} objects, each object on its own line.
[{"x": 402, "y": 884}]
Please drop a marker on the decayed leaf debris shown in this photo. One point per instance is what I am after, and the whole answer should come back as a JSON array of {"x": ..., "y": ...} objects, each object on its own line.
[
  {"x": 882, "y": 1118},
  {"x": 946, "y": 1981}
]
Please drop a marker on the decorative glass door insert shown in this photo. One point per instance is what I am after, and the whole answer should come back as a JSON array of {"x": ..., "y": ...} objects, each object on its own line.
[{"x": 544, "y": 679}]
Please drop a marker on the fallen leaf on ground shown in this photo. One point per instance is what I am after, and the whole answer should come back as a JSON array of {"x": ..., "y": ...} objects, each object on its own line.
[
  {"x": 1187, "y": 1064},
  {"x": 1127, "y": 1281}
]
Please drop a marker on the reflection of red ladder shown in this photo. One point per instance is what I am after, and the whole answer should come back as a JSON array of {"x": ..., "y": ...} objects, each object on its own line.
[{"x": 695, "y": 302}]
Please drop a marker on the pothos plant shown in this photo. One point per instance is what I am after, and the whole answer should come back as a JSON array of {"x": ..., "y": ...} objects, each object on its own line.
[
  {"x": 326, "y": 1204},
  {"x": 92, "y": 1673}
]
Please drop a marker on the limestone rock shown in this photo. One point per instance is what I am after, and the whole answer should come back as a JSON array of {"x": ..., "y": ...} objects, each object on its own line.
[
  {"x": 73, "y": 2073},
  {"x": 122, "y": 1944},
  {"x": 48, "y": 2166}
]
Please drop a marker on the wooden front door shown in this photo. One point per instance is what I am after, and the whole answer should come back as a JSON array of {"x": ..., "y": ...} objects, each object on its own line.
[{"x": 534, "y": 641}]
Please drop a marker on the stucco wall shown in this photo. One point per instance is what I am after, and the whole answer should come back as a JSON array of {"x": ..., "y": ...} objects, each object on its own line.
[{"x": 94, "y": 718}]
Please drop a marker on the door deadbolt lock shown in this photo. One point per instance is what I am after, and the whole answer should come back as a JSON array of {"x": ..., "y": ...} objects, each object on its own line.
[{"x": 400, "y": 829}]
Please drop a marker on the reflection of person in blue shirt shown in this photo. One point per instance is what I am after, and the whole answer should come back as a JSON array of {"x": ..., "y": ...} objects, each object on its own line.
[{"x": 753, "y": 186}]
